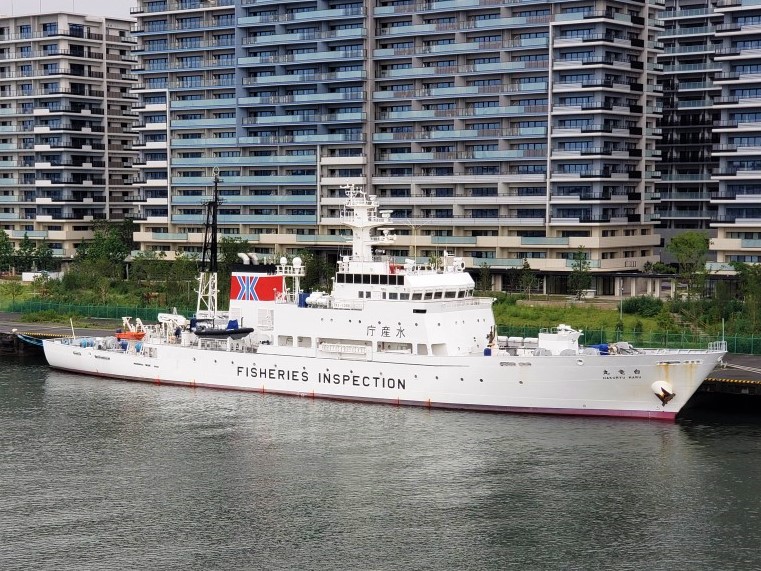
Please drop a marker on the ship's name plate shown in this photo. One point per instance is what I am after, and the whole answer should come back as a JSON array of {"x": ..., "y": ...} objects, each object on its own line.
[{"x": 323, "y": 377}]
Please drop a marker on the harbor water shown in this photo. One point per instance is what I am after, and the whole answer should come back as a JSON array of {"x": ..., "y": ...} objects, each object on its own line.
[{"x": 102, "y": 474}]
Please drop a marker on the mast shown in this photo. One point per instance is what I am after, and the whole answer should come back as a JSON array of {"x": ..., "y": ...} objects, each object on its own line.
[
  {"x": 209, "y": 252},
  {"x": 360, "y": 213},
  {"x": 206, "y": 306}
]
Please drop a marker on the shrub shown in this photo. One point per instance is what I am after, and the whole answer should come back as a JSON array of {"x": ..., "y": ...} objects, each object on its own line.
[{"x": 644, "y": 305}]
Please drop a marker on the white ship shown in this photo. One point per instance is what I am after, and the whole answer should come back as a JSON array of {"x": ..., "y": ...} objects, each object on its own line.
[{"x": 401, "y": 334}]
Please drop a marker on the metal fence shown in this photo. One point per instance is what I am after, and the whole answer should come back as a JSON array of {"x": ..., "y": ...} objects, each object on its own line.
[
  {"x": 95, "y": 311},
  {"x": 745, "y": 344}
]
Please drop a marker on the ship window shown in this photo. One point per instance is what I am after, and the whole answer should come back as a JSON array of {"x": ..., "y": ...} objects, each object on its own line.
[
  {"x": 374, "y": 279},
  {"x": 428, "y": 295},
  {"x": 438, "y": 294},
  {"x": 450, "y": 294},
  {"x": 417, "y": 296},
  {"x": 393, "y": 295},
  {"x": 366, "y": 279},
  {"x": 339, "y": 278},
  {"x": 383, "y": 280},
  {"x": 404, "y": 296},
  {"x": 460, "y": 293},
  {"x": 360, "y": 294}
]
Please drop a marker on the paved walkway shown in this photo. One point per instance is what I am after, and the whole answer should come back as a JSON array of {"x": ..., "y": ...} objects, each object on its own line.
[{"x": 96, "y": 327}]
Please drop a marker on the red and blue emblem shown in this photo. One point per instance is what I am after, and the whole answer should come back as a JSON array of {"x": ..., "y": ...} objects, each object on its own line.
[{"x": 255, "y": 288}]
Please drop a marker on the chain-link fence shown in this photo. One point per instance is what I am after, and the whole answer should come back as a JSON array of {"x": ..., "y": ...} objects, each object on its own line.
[
  {"x": 95, "y": 311},
  {"x": 747, "y": 344}
]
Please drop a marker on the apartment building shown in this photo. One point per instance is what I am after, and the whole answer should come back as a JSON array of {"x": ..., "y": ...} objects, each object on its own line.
[
  {"x": 65, "y": 127},
  {"x": 687, "y": 185},
  {"x": 495, "y": 130},
  {"x": 712, "y": 126},
  {"x": 737, "y": 134}
]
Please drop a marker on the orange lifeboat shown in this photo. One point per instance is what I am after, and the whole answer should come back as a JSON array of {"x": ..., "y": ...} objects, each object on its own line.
[{"x": 131, "y": 335}]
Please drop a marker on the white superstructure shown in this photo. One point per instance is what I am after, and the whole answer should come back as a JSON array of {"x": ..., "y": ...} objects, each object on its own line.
[{"x": 394, "y": 333}]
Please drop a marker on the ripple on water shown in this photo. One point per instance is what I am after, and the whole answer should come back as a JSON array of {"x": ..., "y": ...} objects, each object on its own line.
[{"x": 99, "y": 474}]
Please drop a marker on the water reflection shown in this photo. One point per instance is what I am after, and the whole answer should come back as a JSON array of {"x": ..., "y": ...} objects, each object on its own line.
[{"x": 108, "y": 474}]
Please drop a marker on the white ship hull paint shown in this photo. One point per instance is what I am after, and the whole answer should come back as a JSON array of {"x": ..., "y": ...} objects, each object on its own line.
[{"x": 595, "y": 385}]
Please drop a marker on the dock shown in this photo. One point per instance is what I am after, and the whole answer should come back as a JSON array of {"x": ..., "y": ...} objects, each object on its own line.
[
  {"x": 741, "y": 375},
  {"x": 16, "y": 335}
]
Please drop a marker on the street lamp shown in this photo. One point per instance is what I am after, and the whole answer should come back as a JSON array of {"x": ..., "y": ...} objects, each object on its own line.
[
  {"x": 620, "y": 326},
  {"x": 621, "y": 305},
  {"x": 414, "y": 228}
]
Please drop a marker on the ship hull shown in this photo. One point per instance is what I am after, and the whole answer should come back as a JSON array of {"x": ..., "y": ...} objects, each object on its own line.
[{"x": 589, "y": 385}]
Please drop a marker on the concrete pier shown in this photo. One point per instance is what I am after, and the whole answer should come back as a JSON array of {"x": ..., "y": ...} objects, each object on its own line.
[{"x": 11, "y": 326}]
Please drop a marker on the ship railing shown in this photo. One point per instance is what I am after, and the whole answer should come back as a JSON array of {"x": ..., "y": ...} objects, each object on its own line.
[
  {"x": 347, "y": 304},
  {"x": 366, "y": 258},
  {"x": 717, "y": 346},
  {"x": 228, "y": 345},
  {"x": 471, "y": 302},
  {"x": 286, "y": 297},
  {"x": 291, "y": 271},
  {"x": 344, "y": 348},
  {"x": 669, "y": 351}
]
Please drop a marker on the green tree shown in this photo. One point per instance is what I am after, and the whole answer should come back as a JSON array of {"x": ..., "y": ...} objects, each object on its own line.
[
  {"x": 227, "y": 256},
  {"x": 528, "y": 279},
  {"x": 148, "y": 267},
  {"x": 581, "y": 276},
  {"x": 105, "y": 255},
  {"x": 182, "y": 281},
  {"x": 316, "y": 271},
  {"x": 691, "y": 250},
  {"x": 484, "y": 278},
  {"x": 25, "y": 254},
  {"x": 657, "y": 268},
  {"x": 6, "y": 252},
  {"x": 41, "y": 285},
  {"x": 44, "y": 256},
  {"x": 12, "y": 289},
  {"x": 750, "y": 285},
  {"x": 111, "y": 242}
]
